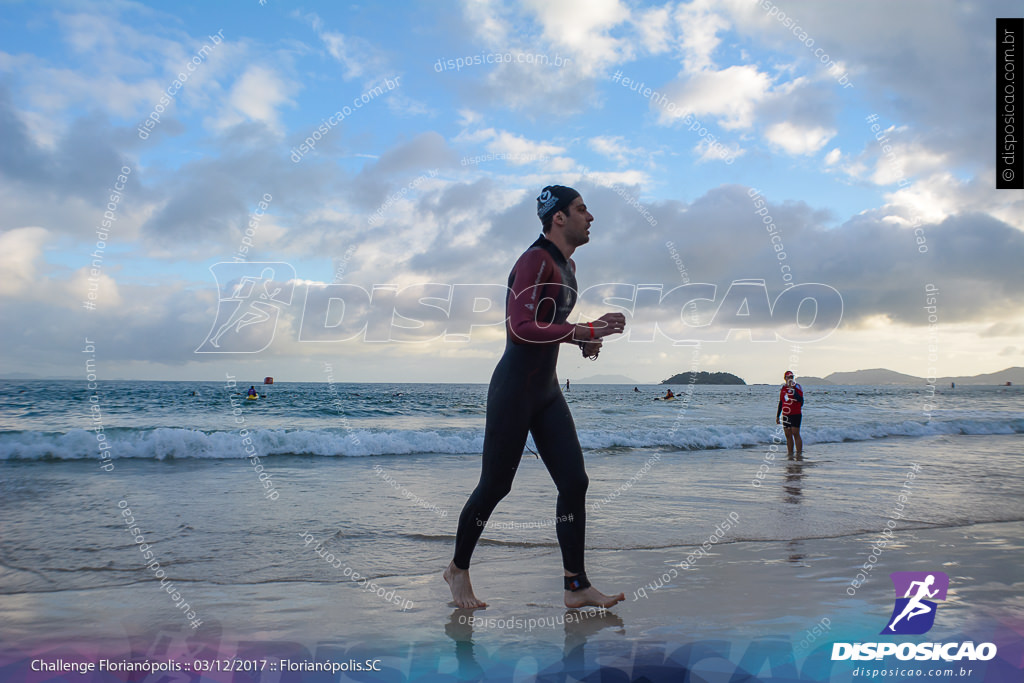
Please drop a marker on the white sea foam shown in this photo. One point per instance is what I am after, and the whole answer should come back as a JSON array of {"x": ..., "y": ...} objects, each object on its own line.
[{"x": 161, "y": 443}]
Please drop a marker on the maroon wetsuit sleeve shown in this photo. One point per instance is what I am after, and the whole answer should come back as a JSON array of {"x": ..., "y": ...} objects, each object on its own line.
[{"x": 536, "y": 279}]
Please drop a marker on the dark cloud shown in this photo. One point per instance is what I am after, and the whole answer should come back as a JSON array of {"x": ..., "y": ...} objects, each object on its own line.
[
  {"x": 84, "y": 163},
  {"x": 921, "y": 62},
  {"x": 20, "y": 158},
  {"x": 875, "y": 265},
  {"x": 718, "y": 239},
  {"x": 210, "y": 200},
  {"x": 401, "y": 164}
]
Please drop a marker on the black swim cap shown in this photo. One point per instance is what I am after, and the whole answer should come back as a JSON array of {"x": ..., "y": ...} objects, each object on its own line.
[{"x": 555, "y": 198}]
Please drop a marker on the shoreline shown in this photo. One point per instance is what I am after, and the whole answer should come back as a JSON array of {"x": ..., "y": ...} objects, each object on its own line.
[
  {"x": 773, "y": 604},
  {"x": 775, "y": 584},
  {"x": 774, "y": 572}
]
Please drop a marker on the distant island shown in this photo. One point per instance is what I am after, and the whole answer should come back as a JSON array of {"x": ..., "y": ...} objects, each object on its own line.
[
  {"x": 874, "y": 376},
  {"x": 883, "y": 376},
  {"x": 814, "y": 381},
  {"x": 877, "y": 376},
  {"x": 704, "y": 378}
]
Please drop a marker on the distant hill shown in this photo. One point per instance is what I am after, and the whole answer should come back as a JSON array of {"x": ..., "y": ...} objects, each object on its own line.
[
  {"x": 704, "y": 378},
  {"x": 814, "y": 381},
  {"x": 1015, "y": 375},
  {"x": 876, "y": 376},
  {"x": 605, "y": 379},
  {"x": 882, "y": 376}
]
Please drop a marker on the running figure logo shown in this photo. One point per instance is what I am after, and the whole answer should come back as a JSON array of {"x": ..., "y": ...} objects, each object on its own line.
[
  {"x": 914, "y": 612},
  {"x": 250, "y": 299}
]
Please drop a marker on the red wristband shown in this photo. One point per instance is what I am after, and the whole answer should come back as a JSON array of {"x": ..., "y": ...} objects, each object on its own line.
[{"x": 591, "y": 330}]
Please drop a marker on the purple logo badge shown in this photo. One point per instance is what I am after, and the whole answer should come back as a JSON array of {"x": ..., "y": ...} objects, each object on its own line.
[{"x": 914, "y": 612}]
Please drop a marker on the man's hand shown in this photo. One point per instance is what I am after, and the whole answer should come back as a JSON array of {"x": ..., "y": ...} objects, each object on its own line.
[
  {"x": 591, "y": 349},
  {"x": 609, "y": 323}
]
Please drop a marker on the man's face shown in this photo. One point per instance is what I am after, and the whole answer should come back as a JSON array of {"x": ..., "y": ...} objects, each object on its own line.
[{"x": 577, "y": 226}]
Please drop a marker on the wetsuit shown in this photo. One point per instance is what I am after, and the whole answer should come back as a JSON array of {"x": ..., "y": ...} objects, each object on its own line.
[
  {"x": 524, "y": 397},
  {"x": 790, "y": 405}
]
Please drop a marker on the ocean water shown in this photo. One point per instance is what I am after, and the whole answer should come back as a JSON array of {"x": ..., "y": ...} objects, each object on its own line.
[
  {"x": 378, "y": 474},
  {"x": 51, "y": 420}
]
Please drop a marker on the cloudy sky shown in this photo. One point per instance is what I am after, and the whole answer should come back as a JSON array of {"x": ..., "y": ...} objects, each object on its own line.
[{"x": 840, "y": 151}]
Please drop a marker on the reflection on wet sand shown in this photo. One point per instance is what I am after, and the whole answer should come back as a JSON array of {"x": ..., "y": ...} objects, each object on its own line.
[{"x": 577, "y": 626}]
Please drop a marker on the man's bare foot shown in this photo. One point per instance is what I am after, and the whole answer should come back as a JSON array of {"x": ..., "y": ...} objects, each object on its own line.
[
  {"x": 591, "y": 597},
  {"x": 462, "y": 589}
]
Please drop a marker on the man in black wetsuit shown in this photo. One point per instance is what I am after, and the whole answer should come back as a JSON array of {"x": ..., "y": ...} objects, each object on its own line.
[{"x": 524, "y": 397}]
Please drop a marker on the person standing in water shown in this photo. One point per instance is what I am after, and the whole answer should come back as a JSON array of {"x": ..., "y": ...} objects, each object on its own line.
[
  {"x": 791, "y": 401},
  {"x": 524, "y": 397}
]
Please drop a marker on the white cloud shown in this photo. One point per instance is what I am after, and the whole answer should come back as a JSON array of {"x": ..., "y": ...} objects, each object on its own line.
[
  {"x": 538, "y": 84},
  {"x": 833, "y": 157},
  {"x": 256, "y": 96},
  {"x": 82, "y": 282},
  {"x": 484, "y": 16},
  {"x": 795, "y": 139},
  {"x": 941, "y": 194},
  {"x": 20, "y": 249},
  {"x": 930, "y": 199},
  {"x": 118, "y": 56},
  {"x": 654, "y": 27},
  {"x": 717, "y": 151},
  {"x": 699, "y": 24},
  {"x": 731, "y": 95},
  {"x": 105, "y": 75},
  {"x": 612, "y": 146},
  {"x": 520, "y": 151},
  {"x": 474, "y": 136},
  {"x": 516, "y": 150},
  {"x": 468, "y": 117},
  {"x": 340, "y": 49},
  {"x": 359, "y": 57},
  {"x": 578, "y": 42},
  {"x": 510, "y": 144},
  {"x": 904, "y": 160},
  {"x": 1003, "y": 329},
  {"x": 617, "y": 178},
  {"x": 582, "y": 27}
]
